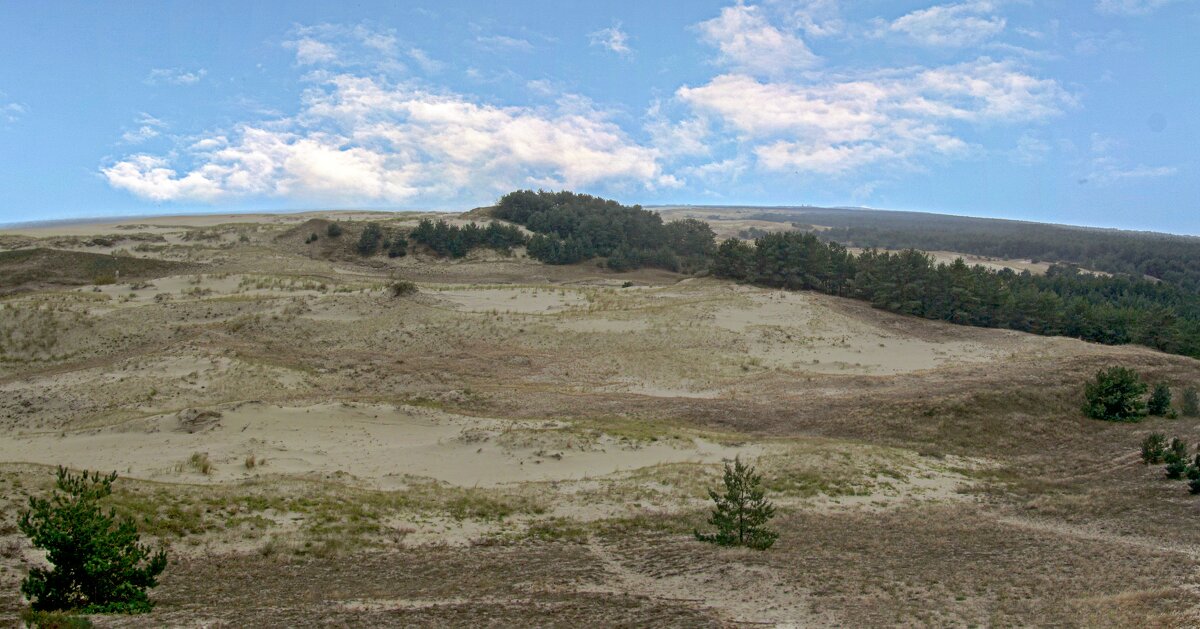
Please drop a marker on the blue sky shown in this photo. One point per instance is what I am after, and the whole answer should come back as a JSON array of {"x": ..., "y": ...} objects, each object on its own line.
[{"x": 1080, "y": 111}]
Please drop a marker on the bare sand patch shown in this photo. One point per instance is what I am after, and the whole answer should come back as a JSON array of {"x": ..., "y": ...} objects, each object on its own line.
[
  {"x": 796, "y": 330},
  {"x": 514, "y": 300},
  {"x": 376, "y": 443}
]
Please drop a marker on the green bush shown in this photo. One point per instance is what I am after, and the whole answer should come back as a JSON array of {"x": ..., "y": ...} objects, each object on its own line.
[
  {"x": 1154, "y": 446},
  {"x": 1177, "y": 465},
  {"x": 1190, "y": 405},
  {"x": 398, "y": 247},
  {"x": 1115, "y": 395},
  {"x": 742, "y": 512},
  {"x": 334, "y": 230},
  {"x": 1193, "y": 476},
  {"x": 368, "y": 241},
  {"x": 1160, "y": 400},
  {"x": 99, "y": 566}
]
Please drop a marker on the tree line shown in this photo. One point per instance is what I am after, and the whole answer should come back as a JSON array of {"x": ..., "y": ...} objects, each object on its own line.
[
  {"x": 570, "y": 228},
  {"x": 1171, "y": 258},
  {"x": 1110, "y": 310}
]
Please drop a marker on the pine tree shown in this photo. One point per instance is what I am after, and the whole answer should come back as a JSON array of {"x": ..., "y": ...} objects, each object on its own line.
[
  {"x": 99, "y": 564},
  {"x": 1115, "y": 395},
  {"x": 1154, "y": 447},
  {"x": 1160, "y": 400},
  {"x": 742, "y": 512},
  {"x": 1191, "y": 403}
]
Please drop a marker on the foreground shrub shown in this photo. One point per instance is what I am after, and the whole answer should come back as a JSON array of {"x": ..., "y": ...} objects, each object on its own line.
[
  {"x": 742, "y": 512},
  {"x": 1154, "y": 447},
  {"x": 99, "y": 566},
  {"x": 1115, "y": 395},
  {"x": 334, "y": 230}
]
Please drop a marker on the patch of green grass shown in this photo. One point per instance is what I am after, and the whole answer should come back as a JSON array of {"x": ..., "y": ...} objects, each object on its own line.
[{"x": 54, "y": 620}]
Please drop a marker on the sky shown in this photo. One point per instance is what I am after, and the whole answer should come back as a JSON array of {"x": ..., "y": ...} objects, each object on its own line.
[{"x": 1070, "y": 111}]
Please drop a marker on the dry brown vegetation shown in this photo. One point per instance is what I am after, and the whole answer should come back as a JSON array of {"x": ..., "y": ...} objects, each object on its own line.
[{"x": 520, "y": 444}]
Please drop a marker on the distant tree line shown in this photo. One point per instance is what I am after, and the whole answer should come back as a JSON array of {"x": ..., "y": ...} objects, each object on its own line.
[
  {"x": 1171, "y": 258},
  {"x": 1111, "y": 310},
  {"x": 570, "y": 228}
]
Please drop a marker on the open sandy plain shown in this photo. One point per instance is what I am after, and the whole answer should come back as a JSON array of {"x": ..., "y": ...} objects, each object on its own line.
[{"x": 521, "y": 444}]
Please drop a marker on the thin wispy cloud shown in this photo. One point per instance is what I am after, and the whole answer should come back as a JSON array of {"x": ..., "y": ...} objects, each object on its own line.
[
  {"x": 148, "y": 127},
  {"x": 1131, "y": 8},
  {"x": 175, "y": 76},
  {"x": 504, "y": 42},
  {"x": 11, "y": 112},
  {"x": 612, "y": 39},
  {"x": 950, "y": 25}
]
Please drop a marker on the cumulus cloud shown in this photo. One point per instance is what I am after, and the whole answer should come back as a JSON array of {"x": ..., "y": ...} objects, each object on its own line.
[
  {"x": 749, "y": 43},
  {"x": 175, "y": 76},
  {"x": 1130, "y": 7},
  {"x": 613, "y": 39},
  {"x": 364, "y": 139},
  {"x": 950, "y": 25},
  {"x": 839, "y": 125}
]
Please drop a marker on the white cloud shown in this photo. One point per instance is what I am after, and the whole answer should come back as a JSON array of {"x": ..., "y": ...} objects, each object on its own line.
[
  {"x": 1030, "y": 150},
  {"x": 951, "y": 25},
  {"x": 175, "y": 76},
  {"x": 1107, "y": 170},
  {"x": 504, "y": 42},
  {"x": 363, "y": 139},
  {"x": 11, "y": 112},
  {"x": 815, "y": 18},
  {"x": 427, "y": 64},
  {"x": 749, "y": 43},
  {"x": 835, "y": 126},
  {"x": 148, "y": 128},
  {"x": 311, "y": 51},
  {"x": 1130, "y": 7},
  {"x": 613, "y": 39}
]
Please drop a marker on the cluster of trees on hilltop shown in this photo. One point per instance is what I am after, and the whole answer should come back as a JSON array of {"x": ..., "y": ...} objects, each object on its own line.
[
  {"x": 454, "y": 241},
  {"x": 1112, "y": 310},
  {"x": 1171, "y": 258},
  {"x": 572, "y": 227}
]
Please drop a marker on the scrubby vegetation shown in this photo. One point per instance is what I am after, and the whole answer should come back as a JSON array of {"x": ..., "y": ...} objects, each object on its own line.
[
  {"x": 572, "y": 227},
  {"x": 99, "y": 566},
  {"x": 1154, "y": 448},
  {"x": 741, "y": 514},
  {"x": 1115, "y": 395}
]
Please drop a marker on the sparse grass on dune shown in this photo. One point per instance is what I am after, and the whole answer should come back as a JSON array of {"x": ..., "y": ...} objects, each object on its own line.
[{"x": 925, "y": 474}]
